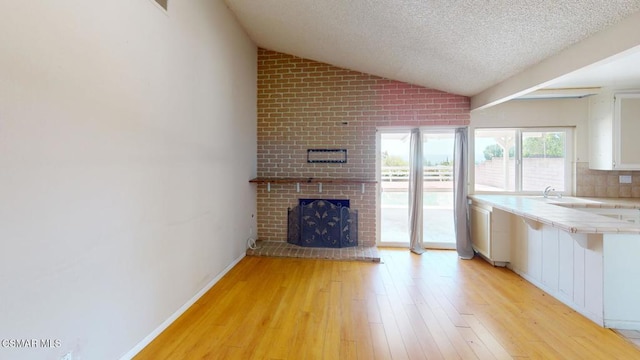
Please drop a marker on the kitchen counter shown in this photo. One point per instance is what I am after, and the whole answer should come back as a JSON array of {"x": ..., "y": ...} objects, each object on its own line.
[
  {"x": 564, "y": 213},
  {"x": 573, "y": 248}
]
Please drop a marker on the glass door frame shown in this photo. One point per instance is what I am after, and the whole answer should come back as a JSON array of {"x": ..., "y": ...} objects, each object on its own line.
[
  {"x": 379, "y": 132},
  {"x": 449, "y": 245},
  {"x": 406, "y": 130}
]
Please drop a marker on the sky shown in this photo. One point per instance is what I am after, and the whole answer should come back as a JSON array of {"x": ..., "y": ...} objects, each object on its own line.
[{"x": 436, "y": 150}]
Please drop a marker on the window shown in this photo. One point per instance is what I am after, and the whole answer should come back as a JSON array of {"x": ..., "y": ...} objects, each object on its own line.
[{"x": 522, "y": 160}]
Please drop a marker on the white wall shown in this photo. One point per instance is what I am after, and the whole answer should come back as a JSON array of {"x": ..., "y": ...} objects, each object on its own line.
[{"x": 127, "y": 137}]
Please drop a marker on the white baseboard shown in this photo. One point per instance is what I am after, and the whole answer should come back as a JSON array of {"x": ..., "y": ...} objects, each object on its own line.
[
  {"x": 431, "y": 245},
  {"x": 440, "y": 245},
  {"x": 149, "y": 338},
  {"x": 622, "y": 324},
  {"x": 398, "y": 244}
]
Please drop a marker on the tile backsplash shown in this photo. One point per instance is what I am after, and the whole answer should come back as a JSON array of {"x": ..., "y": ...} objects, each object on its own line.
[{"x": 600, "y": 183}]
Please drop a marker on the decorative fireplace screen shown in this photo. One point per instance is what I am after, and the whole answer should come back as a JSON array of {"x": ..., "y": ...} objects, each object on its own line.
[{"x": 322, "y": 223}]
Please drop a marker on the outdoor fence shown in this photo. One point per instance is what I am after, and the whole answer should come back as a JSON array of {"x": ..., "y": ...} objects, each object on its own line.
[
  {"x": 431, "y": 173},
  {"x": 537, "y": 173}
]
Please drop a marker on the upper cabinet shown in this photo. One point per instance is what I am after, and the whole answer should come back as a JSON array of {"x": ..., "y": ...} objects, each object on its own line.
[
  {"x": 626, "y": 125},
  {"x": 614, "y": 127}
]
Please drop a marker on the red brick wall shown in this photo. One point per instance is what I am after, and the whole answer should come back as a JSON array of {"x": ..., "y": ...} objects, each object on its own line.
[{"x": 305, "y": 104}]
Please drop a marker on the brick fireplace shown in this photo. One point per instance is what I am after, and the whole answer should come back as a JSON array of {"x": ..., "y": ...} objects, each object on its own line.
[{"x": 304, "y": 104}]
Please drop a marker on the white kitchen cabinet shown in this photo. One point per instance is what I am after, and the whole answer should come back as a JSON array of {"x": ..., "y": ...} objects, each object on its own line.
[
  {"x": 490, "y": 233},
  {"x": 578, "y": 275},
  {"x": 621, "y": 274},
  {"x": 534, "y": 253},
  {"x": 614, "y": 123},
  {"x": 567, "y": 266},
  {"x": 480, "y": 223},
  {"x": 595, "y": 273},
  {"x": 550, "y": 258}
]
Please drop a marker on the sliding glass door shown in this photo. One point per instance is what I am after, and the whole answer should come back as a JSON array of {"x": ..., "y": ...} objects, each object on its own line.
[
  {"x": 393, "y": 178},
  {"x": 437, "y": 157},
  {"x": 393, "y": 160}
]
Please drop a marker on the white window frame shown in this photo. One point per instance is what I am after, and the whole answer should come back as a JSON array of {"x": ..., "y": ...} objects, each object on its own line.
[{"x": 569, "y": 184}]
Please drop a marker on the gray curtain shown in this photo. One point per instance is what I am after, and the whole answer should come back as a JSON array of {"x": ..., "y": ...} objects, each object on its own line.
[
  {"x": 416, "y": 175},
  {"x": 460, "y": 209}
]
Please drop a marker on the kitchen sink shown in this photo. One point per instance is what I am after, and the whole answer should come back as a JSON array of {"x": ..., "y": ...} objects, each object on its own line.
[
  {"x": 628, "y": 215},
  {"x": 563, "y": 200}
]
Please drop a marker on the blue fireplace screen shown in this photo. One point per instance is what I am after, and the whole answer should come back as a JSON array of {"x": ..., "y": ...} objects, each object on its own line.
[{"x": 322, "y": 223}]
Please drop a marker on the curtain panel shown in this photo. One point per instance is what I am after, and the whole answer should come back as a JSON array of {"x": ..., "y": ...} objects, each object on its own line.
[
  {"x": 460, "y": 208},
  {"x": 416, "y": 178}
]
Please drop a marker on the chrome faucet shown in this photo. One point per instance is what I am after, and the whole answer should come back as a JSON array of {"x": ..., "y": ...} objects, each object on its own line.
[{"x": 548, "y": 191}]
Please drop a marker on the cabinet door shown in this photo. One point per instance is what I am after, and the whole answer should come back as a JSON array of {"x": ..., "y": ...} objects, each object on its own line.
[
  {"x": 565, "y": 265},
  {"x": 578, "y": 270},
  {"x": 500, "y": 237},
  {"x": 626, "y": 130},
  {"x": 550, "y": 257},
  {"x": 601, "y": 131},
  {"x": 593, "y": 272},
  {"x": 480, "y": 220},
  {"x": 534, "y": 253}
]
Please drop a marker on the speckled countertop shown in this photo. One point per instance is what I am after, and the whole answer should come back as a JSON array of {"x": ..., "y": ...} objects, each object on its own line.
[{"x": 565, "y": 213}]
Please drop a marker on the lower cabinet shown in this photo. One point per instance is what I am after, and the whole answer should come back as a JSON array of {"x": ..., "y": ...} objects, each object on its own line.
[
  {"x": 565, "y": 265},
  {"x": 621, "y": 274},
  {"x": 595, "y": 274},
  {"x": 550, "y": 258},
  {"x": 480, "y": 223},
  {"x": 568, "y": 266},
  {"x": 490, "y": 233}
]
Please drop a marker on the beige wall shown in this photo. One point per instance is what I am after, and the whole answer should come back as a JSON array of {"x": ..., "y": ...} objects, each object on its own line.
[{"x": 127, "y": 137}]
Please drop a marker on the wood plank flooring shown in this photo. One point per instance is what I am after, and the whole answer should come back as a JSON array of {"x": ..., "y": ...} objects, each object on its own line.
[{"x": 432, "y": 306}]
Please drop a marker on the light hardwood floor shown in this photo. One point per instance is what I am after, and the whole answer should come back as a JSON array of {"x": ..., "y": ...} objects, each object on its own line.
[{"x": 432, "y": 306}]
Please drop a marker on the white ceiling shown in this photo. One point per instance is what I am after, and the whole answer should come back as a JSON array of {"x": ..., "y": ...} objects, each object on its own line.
[
  {"x": 621, "y": 72},
  {"x": 459, "y": 46}
]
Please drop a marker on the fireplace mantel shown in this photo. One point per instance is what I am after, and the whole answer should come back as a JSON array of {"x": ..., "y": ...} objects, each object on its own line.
[
  {"x": 319, "y": 181},
  {"x": 280, "y": 180}
]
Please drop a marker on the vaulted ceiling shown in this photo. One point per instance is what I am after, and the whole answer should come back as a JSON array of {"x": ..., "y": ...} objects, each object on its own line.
[{"x": 464, "y": 47}]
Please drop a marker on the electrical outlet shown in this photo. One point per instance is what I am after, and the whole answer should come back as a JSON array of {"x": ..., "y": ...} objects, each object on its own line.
[
  {"x": 67, "y": 356},
  {"x": 625, "y": 179}
]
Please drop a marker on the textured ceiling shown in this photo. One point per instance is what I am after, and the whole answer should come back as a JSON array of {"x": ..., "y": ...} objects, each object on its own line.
[{"x": 461, "y": 47}]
